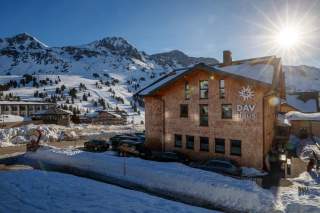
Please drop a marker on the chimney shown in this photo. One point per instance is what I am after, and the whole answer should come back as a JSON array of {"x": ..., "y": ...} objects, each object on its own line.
[{"x": 227, "y": 57}]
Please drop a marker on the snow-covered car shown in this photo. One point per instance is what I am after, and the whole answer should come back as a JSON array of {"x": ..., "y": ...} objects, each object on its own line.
[
  {"x": 96, "y": 145},
  {"x": 220, "y": 165}
]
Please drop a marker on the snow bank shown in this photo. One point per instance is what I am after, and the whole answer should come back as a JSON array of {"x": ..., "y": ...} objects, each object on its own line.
[
  {"x": 56, "y": 192},
  {"x": 174, "y": 178},
  {"x": 252, "y": 172},
  {"x": 12, "y": 118},
  {"x": 299, "y": 116},
  {"x": 303, "y": 195},
  {"x": 54, "y": 133}
]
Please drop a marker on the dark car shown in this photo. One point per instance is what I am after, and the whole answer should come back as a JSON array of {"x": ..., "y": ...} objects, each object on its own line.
[
  {"x": 132, "y": 148},
  {"x": 173, "y": 156},
  {"x": 96, "y": 145},
  {"x": 115, "y": 140},
  {"x": 221, "y": 165}
]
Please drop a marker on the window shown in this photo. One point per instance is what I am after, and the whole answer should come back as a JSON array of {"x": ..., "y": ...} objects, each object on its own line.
[
  {"x": 178, "y": 141},
  {"x": 22, "y": 108},
  {"x": 183, "y": 110},
  {"x": 187, "y": 91},
  {"x": 203, "y": 115},
  {"x": 14, "y": 108},
  {"x": 204, "y": 144},
  {"x": 219, "y": 145},
  {"x": 226, "y": 110},
  {"x": 204, "y": 86},
  {"x": 235, "y": 147},
  {"x": 189, "y": 142},
  {"x": 221, "y": 89}
]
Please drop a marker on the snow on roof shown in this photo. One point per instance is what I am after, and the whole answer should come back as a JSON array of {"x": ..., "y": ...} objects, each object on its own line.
[
  {"x": 250, "y": 69},
  {"x": 161, "y": 81},
  {"x": 299, "y": 116},
  {"x": 303, "y": 106},
  {"x": 261, "y": 72},
  {"x": 22, "y": 102}
]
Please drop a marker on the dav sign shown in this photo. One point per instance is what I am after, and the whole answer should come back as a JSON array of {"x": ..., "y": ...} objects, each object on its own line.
[{"x": 246, "y": 111}]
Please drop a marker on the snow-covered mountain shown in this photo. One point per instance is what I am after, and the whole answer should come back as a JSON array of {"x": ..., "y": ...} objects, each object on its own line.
[{"x": 112, "y": 69}]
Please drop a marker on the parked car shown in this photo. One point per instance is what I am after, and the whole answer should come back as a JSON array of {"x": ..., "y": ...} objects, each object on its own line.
[
  {"x": 132, "y": 148},
  {"x": 96, "y": 145},
  {"x": 173, "y": 156},
  {"x": 115, "y": 140},
  {"x": 220, "y": 165}
]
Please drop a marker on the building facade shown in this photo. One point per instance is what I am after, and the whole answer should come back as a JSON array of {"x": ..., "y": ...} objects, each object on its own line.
[
  {"x": 226, "y": 110},
  {"x": 23, "y": 108}
]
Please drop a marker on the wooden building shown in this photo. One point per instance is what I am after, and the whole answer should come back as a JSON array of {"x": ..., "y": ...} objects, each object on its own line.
[
  {"x": 53, "y": 116},
  {"x": 228, "y": 109},
  {"x": 105, "y": 117}
]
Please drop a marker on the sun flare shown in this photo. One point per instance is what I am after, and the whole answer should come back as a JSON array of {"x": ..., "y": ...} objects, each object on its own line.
[{"x": 288, "y": 37}]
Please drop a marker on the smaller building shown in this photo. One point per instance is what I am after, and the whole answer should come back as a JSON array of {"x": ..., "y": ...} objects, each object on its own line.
[
  {"x": 53, "y": 116},
  {"x": 105, "y": 117},
  {"x": 309, "y": 123},
  {"x": 23, "y": 108}
]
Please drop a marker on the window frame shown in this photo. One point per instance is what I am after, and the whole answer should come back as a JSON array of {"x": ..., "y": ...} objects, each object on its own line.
[
  {"x": 201, "y": 115},
  {"x": 187, "y": 113},
  {"x": 201, "y": 142},
  {"x": 222, "y": 114},
  {"x": 237, "y": 146},
  {"x": 203, "y": 89},
  {"x": 224, "y": 145},
  {"x": 175, "y": 141},
  {"x": 222, "y": 91},
  {"x": 187, "y": 91},
  {"x": 187, "y": 140}
]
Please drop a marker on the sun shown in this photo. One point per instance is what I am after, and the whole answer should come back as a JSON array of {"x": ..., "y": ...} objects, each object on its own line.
[{"x": 288, "y": 37}]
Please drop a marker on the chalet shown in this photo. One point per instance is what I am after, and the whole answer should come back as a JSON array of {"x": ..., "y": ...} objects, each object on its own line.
[
  {"x": 53, "y": 115},
  {"x": 105, "y": 117},
  {"x": 23, "y": 108},
  {"x": 228, "y": 109}
]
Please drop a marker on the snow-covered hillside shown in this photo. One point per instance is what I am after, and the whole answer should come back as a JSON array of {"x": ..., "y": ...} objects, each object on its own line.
[
  {"x": 104, "y": 72},
  {"x": 111, "y": 69}
]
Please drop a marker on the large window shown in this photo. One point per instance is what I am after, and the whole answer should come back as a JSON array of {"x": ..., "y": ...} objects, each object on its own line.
[
  {"x": 187, "y": 91},
  {"x": 183, "y": 110},
  {"x": 235, "y": 147},
  {"x": 204, "y": 87},
  {"x": 221, "y": 89},
  {"x": 189, "y": 142},
  {"x": 204, "y": 115},
  {"x": 226, "y": 111},
  {"x": 219, "y": 145},
  {"x": 204, "y": 144},
  {"x": 178, "y": 141}
]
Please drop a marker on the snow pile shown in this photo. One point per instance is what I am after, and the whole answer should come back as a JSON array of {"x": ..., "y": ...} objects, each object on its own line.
[
  {"x": 303, "y": 195},
  {"x": 55, "y": 192},
  {"x": 12, "y": 118},
  {"x": 307, "y": 149},
  {"x": 252, "y": 172},
  {"x": 299, "y": 116},
  {"x": 172, "y": 178}
]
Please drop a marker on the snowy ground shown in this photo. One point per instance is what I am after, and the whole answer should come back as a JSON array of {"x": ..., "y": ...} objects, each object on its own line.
[
  {"x": 53, "y": 133},
  {"x": 174, "y": 178},
  {"x": 302, "y": 196},
  {"x": 32, "y": 191}
]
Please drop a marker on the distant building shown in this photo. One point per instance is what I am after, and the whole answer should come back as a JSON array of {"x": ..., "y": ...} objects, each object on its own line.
[
  {"x": 53, "y": 116},
  {"x": 105, "y": 117},
  {"x": 306, "y": 102},
  {"x": 23, "y": 108},
  {"x": 228, "y": 109}
]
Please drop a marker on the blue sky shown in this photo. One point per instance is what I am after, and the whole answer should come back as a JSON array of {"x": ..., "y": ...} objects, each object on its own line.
[{"x": 197, "y": 27}]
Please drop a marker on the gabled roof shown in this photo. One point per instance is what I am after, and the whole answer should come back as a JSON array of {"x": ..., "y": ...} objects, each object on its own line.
[
  {"x": 261, "y": 70},
  {"x": 303, "y": 101}
]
